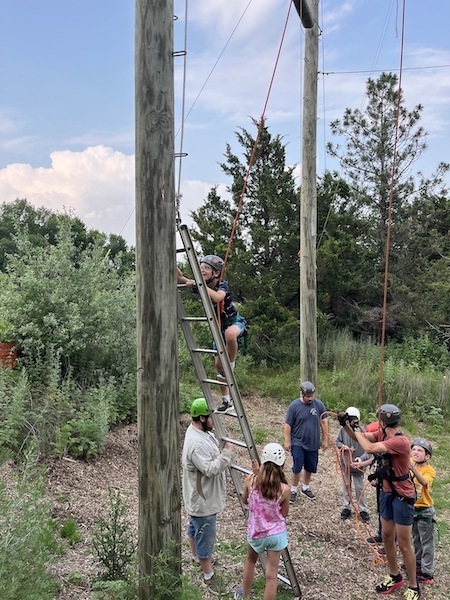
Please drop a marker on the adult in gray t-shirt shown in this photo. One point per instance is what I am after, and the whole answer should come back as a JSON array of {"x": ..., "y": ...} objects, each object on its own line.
[{"x": 305, "y": 422}]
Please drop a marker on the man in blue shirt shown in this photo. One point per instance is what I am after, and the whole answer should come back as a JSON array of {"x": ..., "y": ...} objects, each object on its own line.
[{"x": 306, "y": 419}]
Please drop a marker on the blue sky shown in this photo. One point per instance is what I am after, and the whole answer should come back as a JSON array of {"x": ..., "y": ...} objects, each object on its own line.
[{"x": 67, "y": 90}]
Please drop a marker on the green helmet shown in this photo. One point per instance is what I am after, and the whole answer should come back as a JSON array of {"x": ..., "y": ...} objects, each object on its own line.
[
  {"x": 389, "y": 414},
  {"x": 425, "y": 444},
  {"x": 199, "y": 408}
]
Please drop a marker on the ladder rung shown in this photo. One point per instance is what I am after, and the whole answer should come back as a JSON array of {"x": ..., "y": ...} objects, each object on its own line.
[
  {"x": 217, "y": 382},
  {"x": 180, "y": 250},
  {"x": 240, "y": 469},
  {"x": 235, "y": 442},
  {"x": 194, "y": 319},
  {"x": 205, "y": 350}
]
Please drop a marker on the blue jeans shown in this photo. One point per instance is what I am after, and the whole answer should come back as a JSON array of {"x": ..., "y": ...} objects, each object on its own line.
[{"x": 203, "y": 531}]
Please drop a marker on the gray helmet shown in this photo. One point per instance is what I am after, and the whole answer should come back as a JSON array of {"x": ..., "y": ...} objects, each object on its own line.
[
  {"x": 307, "y": 388},
  {"x": 425, "y": 444},
  {"x": 213, "y": 261},
  {"x": 389, "y": 414}
]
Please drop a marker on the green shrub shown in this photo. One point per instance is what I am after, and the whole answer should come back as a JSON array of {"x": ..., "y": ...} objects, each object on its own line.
[
  {"x": 114, "y": 541},
  {"x": 69, "y": 531}
]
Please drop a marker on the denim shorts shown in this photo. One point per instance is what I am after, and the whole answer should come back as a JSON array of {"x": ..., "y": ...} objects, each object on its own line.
[
  {"x": 307, "y": 459},
  {"x": 276, "y": 543},
  {"x": 203, "y": 531},
  {"x": 393, "y": 508}
]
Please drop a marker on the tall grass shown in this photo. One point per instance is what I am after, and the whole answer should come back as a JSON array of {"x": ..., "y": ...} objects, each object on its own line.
[{"x": 27, "y": 538}]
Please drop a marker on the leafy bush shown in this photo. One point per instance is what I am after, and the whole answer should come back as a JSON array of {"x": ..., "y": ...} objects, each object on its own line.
[{"x": 421, "y": 353}]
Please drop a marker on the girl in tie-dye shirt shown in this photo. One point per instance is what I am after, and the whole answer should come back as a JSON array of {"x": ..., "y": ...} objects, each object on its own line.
[{"x": 267, "y": 494}]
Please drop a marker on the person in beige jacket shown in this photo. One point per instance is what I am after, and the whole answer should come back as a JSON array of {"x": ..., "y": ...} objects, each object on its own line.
[{"x": 203, "y": 485}]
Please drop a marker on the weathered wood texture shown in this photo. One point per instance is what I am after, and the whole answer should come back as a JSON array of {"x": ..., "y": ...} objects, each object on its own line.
[
  {"x": 158, "y": 412},
  {"x": 308, "y": 209}
]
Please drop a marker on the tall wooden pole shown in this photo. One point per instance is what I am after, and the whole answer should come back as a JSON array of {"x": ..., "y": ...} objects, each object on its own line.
[
  {"x": 308, "y": 206},
  {"x": 158, "y": 412}
]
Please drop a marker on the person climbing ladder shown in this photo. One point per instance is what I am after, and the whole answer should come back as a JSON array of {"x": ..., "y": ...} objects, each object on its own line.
[{"x": 232, "y": 325}]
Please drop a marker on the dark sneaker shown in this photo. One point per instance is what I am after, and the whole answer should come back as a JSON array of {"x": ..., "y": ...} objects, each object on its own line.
[
  {"x": 346, "y": 514},
  {"x": 213, "y": 585},
  {"x": 364, "y": 516},
  {"x": 374, "y": 539},
  {"x": 425, "y": 578},
  {"x": 389, "y": 584},
  {"x": 412, "y": 594},
  {"x": 293, "y": 497},
  {"x": 309, "y": 494},
  {"x": 221, "y": 377},
  {"x": 226, "y": 408},
  {"x": 238, "y": 593}
]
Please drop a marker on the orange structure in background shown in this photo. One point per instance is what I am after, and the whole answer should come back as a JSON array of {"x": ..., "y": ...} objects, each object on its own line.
[{"x": 8, "y": 354}]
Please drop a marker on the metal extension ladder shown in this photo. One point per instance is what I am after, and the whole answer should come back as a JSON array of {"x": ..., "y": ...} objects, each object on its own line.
[{"x": 206, "y": 384}]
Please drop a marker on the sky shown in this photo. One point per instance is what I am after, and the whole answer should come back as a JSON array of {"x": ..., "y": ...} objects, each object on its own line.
[{"x": 67, "y": 91}]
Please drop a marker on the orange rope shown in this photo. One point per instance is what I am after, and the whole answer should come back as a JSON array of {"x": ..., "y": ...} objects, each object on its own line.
[
  {"x": 389, "y": 223},
  {"x": 255, "y": 145},
  {"x": 362, "y": 529}
]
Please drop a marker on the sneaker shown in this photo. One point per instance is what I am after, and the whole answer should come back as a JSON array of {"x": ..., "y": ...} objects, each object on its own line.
[
  {"x": 425, "y": 578},
  {"x": 213, "y": 585},
  {"x": 309, "y": 493},
  {"x": 225, "y": 408},
  {"x": 389, "y": 585},
  {"x": 238, "y": 593},
  {"x": 374, "y": 539},
  {"x": 293, "y": 497},
  {"x": 412, "y": 594},
  {"x": 221, "y": 377},
  {"x": 364, "y": 516},
  {"x": 346, "y": 514}
]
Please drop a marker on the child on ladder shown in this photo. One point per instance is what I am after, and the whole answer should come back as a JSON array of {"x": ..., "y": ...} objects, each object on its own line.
[
  {"x": 267, "y": 493},
  {"x": 231, "y": 324}
]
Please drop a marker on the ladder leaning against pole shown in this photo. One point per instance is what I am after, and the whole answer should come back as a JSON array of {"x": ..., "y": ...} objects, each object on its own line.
[{"x": 206, "y": 384}]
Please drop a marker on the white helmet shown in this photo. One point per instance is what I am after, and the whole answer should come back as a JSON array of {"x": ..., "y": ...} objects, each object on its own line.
[
  {"x": 353, "y": 412},
  {"x": 273, "y": 453}
]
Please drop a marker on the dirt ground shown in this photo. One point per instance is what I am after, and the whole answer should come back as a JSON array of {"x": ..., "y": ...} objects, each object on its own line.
[{"x": 331, "y": 558}]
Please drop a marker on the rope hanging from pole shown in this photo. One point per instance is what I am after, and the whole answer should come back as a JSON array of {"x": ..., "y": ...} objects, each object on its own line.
[
  {"x": 389, "y": 220},
  {"x": 255, "y": 145}
]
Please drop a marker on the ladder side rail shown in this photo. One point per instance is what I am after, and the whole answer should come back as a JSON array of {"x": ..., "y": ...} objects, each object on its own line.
[
  {"x": 231, "y": 384},
  {"x": 218, "y": 338},
  {"x": 206, "y": 390}
]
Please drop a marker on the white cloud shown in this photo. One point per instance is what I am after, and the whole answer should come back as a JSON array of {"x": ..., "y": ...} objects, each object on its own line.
[{"x": 97, "y": 184}]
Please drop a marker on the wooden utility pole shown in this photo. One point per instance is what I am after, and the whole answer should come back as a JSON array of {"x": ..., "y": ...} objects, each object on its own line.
[
  {"x": 157, "y": 373},
  {"x": 308, "y": 202}
]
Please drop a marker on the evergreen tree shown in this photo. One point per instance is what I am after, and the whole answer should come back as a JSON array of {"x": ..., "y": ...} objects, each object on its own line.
[
  {"x": 263, "y": 264},
  {"x": 377, "y": 153}
]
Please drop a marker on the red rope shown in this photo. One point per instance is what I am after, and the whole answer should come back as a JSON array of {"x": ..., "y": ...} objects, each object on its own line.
[
  {"x": 389, "y": 223},
  {"x": 255, "y": 145}
]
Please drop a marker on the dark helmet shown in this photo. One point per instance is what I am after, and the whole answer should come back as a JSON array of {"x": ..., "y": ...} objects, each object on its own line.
[
  {"x": 213, "y": 261},
  {"x": 389, "y": 414},
  {"x": 199, "y": 408},
  {"x": 307, "y": 388},
  {"x": 425, "y": 444}
]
